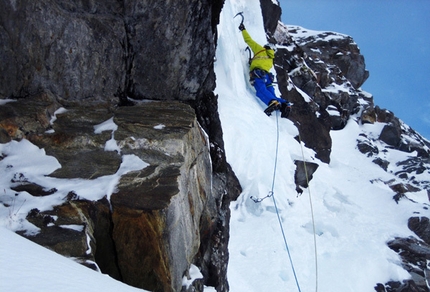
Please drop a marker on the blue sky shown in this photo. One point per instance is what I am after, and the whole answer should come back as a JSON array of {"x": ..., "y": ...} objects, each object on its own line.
[{"x": 394, "y": 38}]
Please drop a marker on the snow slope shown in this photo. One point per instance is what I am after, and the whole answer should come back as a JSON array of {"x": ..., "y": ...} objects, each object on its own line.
[
  {"x": 353, "y": 208},
  {"x": 26, "y": 266}
]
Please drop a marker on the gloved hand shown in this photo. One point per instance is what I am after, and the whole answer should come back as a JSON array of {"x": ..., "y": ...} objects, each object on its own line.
[
  {"x": 272, "y": 77},
  {"x": 241, "y": 27}
]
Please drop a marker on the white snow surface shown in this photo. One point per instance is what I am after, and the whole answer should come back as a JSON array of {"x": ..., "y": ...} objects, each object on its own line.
[
  {"x": 26, "y": 266},
  {"x": 194, "y": 275},
  {"x": 353, "y": 209}
]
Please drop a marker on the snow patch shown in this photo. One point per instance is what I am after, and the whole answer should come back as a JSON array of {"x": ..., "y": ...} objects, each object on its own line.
[
  {"x": 5, "y": 101},
  {"x": 75, "y": 227},
  {"x": 24, "y": 162},
  {"x": 194, "y": 273},
  {"x": 61, "y": 110},
  {"x": 109, "y": 125}
]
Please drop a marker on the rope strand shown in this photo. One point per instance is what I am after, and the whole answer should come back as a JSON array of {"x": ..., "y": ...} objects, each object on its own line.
[
  {"x": 272, "y": 194},
  {"x": 310, "y": 201},
  {"x": 313, "y": 218}
]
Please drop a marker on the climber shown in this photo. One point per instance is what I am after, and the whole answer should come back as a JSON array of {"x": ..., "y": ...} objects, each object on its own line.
[{"x": 261, "y": 78}]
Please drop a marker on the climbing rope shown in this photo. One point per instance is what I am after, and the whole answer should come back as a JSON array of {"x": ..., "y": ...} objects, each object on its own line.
[
  {"x": 310, "y": 201},
  {"x": 313, "y": 218},
  {"x": 272, "y": 194}
]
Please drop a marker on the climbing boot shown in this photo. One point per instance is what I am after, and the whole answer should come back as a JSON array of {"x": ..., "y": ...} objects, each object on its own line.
[
  {"x": 273, "y": 106},
  {"x": 285, "y": 109}
]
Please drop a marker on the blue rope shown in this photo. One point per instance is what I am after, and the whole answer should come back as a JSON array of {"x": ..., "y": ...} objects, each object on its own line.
[{"x": 276, "y": 207}]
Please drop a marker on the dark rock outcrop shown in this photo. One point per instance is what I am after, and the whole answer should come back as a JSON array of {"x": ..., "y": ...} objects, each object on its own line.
[
  {"x": 415, "y": 254},
  {"x": 334, "y": 49},
  {"x": 329, "y": 68},
  {"x": 391, "y": 135},
  {"x": 271, "y": 15},
  {"x": 303, "y": 174},
  {"x": 314, "y": 130},
  {"x": 368, "y": 115},
  {"x": 317, "y": 64},
  {"x": 421, "y": 227},
  {"x": 74, "y": 49},
  {"x": 89, "y": 57},
  {"x": 101, "y": 49},
  {"x": 171, "y": 48}
]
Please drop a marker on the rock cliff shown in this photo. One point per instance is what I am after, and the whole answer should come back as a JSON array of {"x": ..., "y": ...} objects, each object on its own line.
[
  {"x": 72, "y": 65},
  {"x": 101, "y": 49}
]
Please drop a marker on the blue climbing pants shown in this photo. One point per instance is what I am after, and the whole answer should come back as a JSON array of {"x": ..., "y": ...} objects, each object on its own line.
[{"x": 262, "y": 82}]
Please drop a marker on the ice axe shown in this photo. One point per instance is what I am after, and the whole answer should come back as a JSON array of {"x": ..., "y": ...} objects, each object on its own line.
[
  {"x": 247, "y": 48},
  {"x": 249, "y": 57},
  {"x": 241, "y": 14}
]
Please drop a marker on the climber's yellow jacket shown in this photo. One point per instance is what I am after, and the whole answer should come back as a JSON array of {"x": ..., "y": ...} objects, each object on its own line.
[{"x": 263, "y": 58}]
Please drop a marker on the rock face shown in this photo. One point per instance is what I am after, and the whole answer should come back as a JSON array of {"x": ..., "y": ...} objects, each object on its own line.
[
  {"x": 415, "y": 254},
  {"x": 160, "y": 219},
  {"x": 74, "y": 49},
  {"x": 101, "y": 49},
  {"x": 317, "y": 63},
  {"x": 79, "y": 229},
  {"x": 91, "y": 57},
  {"x": 161, "y": 209},
  {"x": 170, "y": 56},
  {"x": 303, "y": 174}
]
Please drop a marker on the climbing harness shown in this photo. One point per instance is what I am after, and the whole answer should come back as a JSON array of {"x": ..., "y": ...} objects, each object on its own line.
[
  {"x": 250, "y": 58},
  {"x": 260, "y": 57}
]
